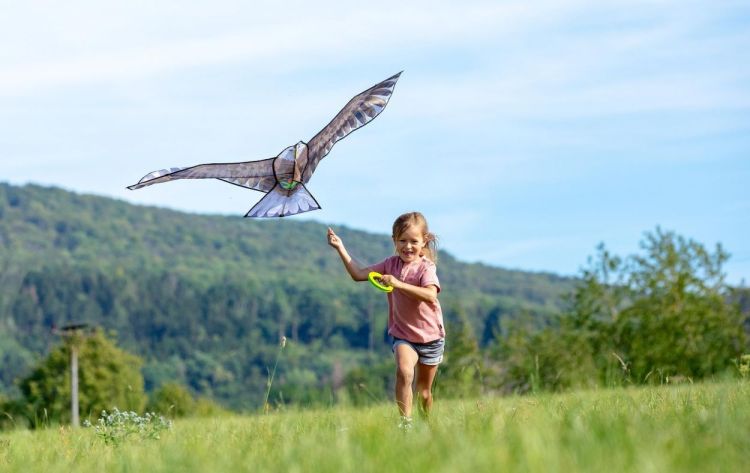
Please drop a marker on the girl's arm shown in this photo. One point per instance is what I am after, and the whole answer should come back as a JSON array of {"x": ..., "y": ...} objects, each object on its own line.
[
  {"x": 357, "y": 273},
  {"x": 424, "y": 294}
]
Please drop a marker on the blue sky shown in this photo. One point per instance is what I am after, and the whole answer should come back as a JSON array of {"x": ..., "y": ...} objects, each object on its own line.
[{"x": 527, "y": 132}]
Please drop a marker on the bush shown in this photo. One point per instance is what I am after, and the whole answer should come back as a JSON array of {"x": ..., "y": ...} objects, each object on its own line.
[
  {"x": 174, "y": 400},
  {"x": 116, "y": 427}
]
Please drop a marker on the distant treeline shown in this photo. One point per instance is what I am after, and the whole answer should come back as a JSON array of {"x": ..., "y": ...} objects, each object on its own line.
[{"x": 203, "y": 300}]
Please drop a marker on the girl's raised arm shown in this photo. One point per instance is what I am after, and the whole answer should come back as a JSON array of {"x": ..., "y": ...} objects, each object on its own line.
[{"x": 357, "y": 273}]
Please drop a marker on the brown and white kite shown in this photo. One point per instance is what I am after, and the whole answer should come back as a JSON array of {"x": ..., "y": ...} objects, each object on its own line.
[{"x": 283, "y": 178}]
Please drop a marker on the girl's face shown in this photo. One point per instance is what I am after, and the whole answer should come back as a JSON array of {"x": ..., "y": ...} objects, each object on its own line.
[{"x": 409, "y": 244}]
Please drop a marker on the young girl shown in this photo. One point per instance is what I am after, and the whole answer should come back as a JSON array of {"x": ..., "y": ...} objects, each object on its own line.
[{"x": 415, "y": 320}]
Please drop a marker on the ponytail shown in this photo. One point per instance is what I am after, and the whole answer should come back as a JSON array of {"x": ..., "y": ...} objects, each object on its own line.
[{"x": 431, "y": 247}]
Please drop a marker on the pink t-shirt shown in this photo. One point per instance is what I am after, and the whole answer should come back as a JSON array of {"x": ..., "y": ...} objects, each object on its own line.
[{"x": 408, "y": 318}]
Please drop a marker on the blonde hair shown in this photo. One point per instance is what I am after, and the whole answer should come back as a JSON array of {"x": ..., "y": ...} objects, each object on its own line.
[{"x": 410, "y": 219}]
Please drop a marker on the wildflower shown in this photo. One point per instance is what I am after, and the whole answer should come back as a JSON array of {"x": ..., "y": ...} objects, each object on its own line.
[
  {"x": 272, "y": 373},
  {"x": 116, "y": 426}
]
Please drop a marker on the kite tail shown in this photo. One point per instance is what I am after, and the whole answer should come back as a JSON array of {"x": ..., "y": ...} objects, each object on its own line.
[{"x": 280, "y": 202}]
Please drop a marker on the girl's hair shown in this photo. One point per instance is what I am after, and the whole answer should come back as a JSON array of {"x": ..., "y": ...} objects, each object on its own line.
[{"x": 409, "y": 219}]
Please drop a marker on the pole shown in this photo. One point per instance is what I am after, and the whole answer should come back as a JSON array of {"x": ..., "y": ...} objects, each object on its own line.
[{"x": 74, "y": 334}]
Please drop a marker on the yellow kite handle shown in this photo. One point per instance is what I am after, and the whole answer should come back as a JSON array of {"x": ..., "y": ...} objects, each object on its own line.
[{"x": 374, "y": 277}]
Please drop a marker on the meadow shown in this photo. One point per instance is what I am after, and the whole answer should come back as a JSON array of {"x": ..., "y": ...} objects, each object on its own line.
[{"x": 702, "y": 427}]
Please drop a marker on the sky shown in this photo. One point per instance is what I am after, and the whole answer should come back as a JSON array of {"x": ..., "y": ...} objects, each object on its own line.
[{"x": 526, "y": 132}]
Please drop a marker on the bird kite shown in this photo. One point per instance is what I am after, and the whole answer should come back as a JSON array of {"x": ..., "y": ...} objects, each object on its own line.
[{"x": 283, "y": 178}]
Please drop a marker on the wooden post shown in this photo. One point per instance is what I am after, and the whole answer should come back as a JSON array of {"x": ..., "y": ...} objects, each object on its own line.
[{"x": 74, "y": 333}]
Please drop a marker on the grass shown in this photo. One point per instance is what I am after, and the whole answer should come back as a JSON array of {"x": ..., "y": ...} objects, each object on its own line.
[{"x": 702, "y": 427}]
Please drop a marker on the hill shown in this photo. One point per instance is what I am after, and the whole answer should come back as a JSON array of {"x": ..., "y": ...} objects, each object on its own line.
[{"x": 204, "y": 299}]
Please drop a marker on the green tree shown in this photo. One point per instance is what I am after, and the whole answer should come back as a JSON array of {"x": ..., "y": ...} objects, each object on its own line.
[
  {"x": 678, "y": 320},
  {"x": 108, "y": 377},
  {"x": 461, "y": 374},
  {"x": 644, "y": 318},
  {"x": 554, "y": 357},
  {"x": 173, "y": 400},
  {"x": 370, "y": 383},
  {"x": 663, "y": 312}
]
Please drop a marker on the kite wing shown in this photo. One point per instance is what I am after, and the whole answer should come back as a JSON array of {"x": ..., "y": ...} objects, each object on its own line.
[
  {"x": 256, "y": 175},
  {"x": 358, "y": 112}
]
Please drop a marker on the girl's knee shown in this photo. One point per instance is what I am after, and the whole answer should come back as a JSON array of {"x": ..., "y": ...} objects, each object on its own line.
[
  {"x": 405, "y": 375},
  {"x": 425, "y": 394}
]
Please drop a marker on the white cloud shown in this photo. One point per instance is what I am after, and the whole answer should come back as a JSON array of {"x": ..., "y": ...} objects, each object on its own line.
[{"x": 291, "y": 40}]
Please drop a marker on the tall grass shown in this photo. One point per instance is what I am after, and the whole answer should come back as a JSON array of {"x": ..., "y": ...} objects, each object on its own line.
[{"x": 702, "y": 427}]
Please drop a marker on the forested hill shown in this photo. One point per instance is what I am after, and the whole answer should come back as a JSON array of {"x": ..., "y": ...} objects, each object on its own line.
[{"x": 204, "y": 299}]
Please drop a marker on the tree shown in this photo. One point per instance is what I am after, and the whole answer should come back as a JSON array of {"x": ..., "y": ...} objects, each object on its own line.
[
  {"x": 370, "y": 383},
  {"x": 173, "y": 400},
  {"x": 461, "y": 373},
  {"x": 659, "y": 314},
  {"x": 108, "y": 377},
  {"x": 665, "y": 312},
  {"x": 678, "y": 320},
  {"x": 554, "y": 357}
]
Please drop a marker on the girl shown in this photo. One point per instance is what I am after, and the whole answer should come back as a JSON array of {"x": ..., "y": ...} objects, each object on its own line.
[{"x": 415, "y": 320}]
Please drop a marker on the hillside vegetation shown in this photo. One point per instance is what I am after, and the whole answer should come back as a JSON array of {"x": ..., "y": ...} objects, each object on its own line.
[{"x": 203, "y": 300}]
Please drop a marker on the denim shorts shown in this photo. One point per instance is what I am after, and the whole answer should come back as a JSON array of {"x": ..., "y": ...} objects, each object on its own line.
[{"x": 430, "y": 353}]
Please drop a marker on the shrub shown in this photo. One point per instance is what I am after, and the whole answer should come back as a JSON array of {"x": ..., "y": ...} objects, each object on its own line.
[{"x": 116, "y": 427}]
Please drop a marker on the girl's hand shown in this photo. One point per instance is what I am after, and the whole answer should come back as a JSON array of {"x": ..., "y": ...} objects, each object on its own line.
[
  {"x": 390, "y": 280},
  {"x": 334, "y": 240}
]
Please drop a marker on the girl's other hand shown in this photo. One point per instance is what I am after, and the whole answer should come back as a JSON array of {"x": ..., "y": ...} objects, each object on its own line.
[
  {"x": 334, "y": 240},
  {"x": 390, "y": 280}
]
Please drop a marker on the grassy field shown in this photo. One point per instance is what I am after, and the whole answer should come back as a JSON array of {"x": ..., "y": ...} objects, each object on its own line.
[{"x": 702, "y": 427}]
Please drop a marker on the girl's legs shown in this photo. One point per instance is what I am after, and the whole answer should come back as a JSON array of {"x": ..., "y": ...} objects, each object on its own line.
[
  {"x": 406, "y": 360},
  {"x": 425, "y": 377}
]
